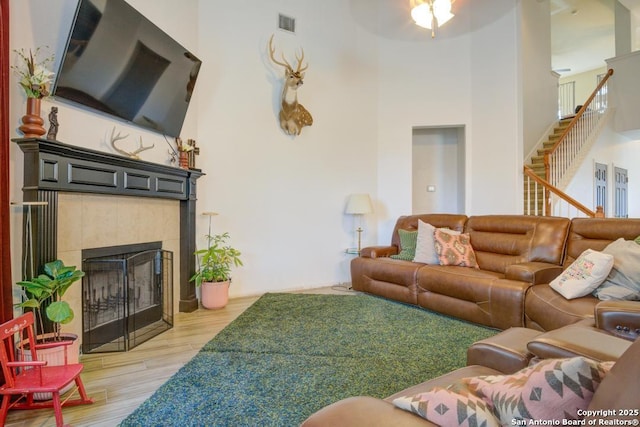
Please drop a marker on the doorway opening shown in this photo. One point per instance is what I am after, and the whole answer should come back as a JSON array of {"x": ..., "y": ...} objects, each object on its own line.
[{"x": 438, "y": 169}]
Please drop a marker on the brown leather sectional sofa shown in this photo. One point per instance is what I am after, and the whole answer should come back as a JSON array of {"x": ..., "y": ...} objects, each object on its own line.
[
  {"x": 615, "y": 402},
  {"x": 518, "y": 256}
]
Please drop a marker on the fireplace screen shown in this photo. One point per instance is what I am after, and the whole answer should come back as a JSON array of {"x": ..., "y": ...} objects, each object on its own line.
[{"x": 127, "y": 296}]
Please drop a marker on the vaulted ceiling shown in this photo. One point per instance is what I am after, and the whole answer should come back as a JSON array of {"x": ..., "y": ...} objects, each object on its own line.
[{"x": 583, "y": 33}]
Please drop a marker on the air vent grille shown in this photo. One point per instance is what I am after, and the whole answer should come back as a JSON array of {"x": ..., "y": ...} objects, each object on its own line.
[{"x": 287, "y": 23}]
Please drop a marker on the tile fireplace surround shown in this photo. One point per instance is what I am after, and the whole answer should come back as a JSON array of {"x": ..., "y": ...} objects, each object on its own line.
[{"x": 98, "y": 199}]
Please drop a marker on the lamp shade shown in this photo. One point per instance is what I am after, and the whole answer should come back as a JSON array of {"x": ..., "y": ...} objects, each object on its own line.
[{"x": 359, "y": 204}]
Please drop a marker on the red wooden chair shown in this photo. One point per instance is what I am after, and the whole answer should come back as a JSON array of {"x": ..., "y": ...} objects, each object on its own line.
[{"x": 23, "y": 377}]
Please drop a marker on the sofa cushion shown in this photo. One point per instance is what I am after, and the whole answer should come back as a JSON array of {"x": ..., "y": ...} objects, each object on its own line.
[
  {"x": 553, "y": 389},
  {"x": 545, "y": 309},
  {"x": 623, "y": 282},
  {"x": 454, "y": 249},
  {"x": 584, "y": 275},
  {"x": 408, "y": 241}
]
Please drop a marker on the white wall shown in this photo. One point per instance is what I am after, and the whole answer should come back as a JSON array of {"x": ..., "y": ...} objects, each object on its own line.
[
  {"x": 468, "y": 76},
  {"x": 540, "y": 84},
  {"x": 281, "y": 198},
  {"x": 373, "y": 76},
  {"x": 585, "y": 83},
  {"x": 612, "y": 149}
]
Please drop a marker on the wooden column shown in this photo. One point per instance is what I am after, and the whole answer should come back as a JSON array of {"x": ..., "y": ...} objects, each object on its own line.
[{"x": 6, "y": 281}]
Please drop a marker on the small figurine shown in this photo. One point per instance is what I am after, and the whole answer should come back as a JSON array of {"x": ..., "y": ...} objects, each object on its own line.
[{"x": 53, "y": 124}]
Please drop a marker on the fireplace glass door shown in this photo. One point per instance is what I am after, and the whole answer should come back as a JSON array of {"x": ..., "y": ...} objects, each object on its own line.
[{"x": 127, "y": 299}]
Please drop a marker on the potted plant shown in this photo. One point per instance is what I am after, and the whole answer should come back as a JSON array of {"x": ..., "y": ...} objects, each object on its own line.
[
  {"x": 50, "y": 287},
  {"x": 213, "y": 274}
]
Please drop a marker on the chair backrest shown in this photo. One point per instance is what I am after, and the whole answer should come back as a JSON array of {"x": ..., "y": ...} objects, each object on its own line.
[
  {"x": 597, "y": 233},
  {"x": 16, "y": 334},
  {"x": 500, "y": 241}
]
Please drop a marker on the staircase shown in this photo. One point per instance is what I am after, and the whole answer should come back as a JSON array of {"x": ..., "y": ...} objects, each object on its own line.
[
  {"x": 537, "y": 161},
  {"x": 557, "y": 158},
  {"x": 534, "y": 194}
]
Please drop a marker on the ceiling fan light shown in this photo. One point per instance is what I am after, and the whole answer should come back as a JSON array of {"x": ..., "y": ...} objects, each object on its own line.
[{"x": 421, "y": 13}]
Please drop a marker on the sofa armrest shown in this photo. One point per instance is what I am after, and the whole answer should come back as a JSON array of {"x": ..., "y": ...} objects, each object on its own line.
[
  {"x": 535, "y": 273},
  {"x": 619, "y": 318},
  {"x": 364, "y": 411},
  {"x": 378, "y": 251},
  {"x": 571, "y": 341}
]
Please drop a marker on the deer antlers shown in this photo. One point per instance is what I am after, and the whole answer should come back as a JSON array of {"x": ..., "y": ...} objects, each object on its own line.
[
  {"x": 134, "y": 154},
  {"x": 285, "y": 64}
]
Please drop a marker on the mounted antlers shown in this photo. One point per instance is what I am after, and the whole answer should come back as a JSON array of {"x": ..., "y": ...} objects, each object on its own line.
[
  {"x": 293, "y": 115},
  {"x": 134, "y": 154}
]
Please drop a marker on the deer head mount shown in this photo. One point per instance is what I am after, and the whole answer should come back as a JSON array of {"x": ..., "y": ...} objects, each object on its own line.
[
  {"x": 133, "y": 154},
  {"x": 293, "y": 116}
]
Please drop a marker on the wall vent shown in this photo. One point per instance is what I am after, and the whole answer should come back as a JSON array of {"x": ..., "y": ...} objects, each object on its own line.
[{"x": 287, "y": 23}]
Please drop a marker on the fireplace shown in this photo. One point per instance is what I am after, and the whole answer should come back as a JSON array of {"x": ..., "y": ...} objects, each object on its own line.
[
  {"x": 127, "y": 296},
  {"x": 95, "y": 199}
]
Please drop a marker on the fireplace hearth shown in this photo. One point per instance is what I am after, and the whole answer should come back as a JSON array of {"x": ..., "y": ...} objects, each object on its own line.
[{"x": 127, "y": 296}]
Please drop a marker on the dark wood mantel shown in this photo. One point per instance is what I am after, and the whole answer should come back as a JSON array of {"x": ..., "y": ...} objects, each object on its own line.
[{"x": 51, "y": 167}]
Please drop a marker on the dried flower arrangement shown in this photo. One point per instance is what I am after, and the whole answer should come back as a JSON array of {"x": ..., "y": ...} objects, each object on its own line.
[{"x": 34, "y": 75}]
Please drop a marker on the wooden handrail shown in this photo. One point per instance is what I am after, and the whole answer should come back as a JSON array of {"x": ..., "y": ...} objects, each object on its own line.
[
  {"x": 573, "y": 123},
  {"x": 573, "y": 202}
]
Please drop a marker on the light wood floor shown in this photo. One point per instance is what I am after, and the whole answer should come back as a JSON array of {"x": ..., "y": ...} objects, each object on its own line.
[{"x": 120, "y": 382}]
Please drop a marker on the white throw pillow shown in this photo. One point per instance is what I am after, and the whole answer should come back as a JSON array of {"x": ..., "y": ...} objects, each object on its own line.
[
  {"x": 584, "y": 275},
  {"x": 623, "y": 282},
  {"x": 426, "y": 243}
]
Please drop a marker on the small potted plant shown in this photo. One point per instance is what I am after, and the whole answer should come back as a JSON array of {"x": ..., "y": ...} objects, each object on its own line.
[{"x": 213, "y": 274}]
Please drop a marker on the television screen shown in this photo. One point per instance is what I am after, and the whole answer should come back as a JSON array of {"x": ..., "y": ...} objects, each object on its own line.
[{"x": 118, "y": 62}]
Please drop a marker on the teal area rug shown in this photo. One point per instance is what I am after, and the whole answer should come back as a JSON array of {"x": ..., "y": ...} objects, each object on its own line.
[{"x": 289, "y": 355}]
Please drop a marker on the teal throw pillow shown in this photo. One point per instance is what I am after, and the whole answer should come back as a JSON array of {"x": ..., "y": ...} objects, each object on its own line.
[{"x": 408, "y": 241}]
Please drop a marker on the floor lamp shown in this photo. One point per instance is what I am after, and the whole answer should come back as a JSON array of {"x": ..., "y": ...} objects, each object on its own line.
[{"x": 358, "y": 205}]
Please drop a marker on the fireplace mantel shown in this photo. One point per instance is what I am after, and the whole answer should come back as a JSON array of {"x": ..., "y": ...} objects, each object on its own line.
[{"x": 51, "y": 167}]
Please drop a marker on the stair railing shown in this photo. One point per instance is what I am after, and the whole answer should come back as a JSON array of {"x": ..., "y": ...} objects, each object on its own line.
[
  {"x": 559, "y": 158},
  {"x": 539, "y": 197}
]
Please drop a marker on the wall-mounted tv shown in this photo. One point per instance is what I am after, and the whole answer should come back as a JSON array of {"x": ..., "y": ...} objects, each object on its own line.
[{"x": 118, "y": 62}]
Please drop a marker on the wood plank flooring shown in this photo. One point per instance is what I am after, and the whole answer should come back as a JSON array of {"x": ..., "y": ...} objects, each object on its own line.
[{"x": 120, "y": 382}]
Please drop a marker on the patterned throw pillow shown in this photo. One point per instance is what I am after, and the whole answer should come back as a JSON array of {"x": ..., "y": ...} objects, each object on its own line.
[
  {"x": 584, "y": 275},
  {"x": 425, "y": 245},
  {"x": 453, "y": 406},
  {"x": 553, "y": 389},
  {"x": 637, "y": 240},
  {"x": 454, "y": 249},
  {"x": 408, "y": 241}
]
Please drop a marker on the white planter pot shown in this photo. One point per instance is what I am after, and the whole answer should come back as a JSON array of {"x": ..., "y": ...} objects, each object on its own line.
[{"x": 55, "y": 357}]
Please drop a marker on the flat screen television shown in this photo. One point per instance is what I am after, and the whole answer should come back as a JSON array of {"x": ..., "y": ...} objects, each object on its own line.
[{"x": 118, "y": 62}]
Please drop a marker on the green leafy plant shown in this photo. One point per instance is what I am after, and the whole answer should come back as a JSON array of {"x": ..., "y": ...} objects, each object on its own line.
[
  {"x": 51, "y": 285},
  {"x": 215, "y": 262},
  {"x": 34, "y": 75}
]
